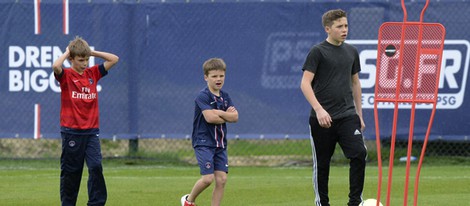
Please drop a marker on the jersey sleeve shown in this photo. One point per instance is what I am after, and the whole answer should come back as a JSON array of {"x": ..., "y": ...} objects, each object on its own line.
[
  {"x": 203, "y": 101},
  {"x": 357, "y": 64},
  {"x": 312, "y": 60},
  {"x": 102, "y": 70},
  {"x": 58, "y": 77},
  {"x": 99, "y": 71}
]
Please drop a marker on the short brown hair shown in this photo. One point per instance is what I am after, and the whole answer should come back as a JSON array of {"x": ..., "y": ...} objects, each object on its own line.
[
  {"x": 214, "y": 64},
  {"x": 79, "y": 47},
  {"x": 332, "y": 15}
]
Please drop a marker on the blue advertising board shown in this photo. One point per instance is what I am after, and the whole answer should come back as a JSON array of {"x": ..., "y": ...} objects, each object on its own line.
[{"x": 162, "y": 45}]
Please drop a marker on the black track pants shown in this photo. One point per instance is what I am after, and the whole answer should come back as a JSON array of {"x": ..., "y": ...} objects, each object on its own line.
[{"x": 347, "y": 133}]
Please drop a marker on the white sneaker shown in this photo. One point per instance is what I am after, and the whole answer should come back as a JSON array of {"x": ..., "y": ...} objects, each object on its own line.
[{"x": 183, "y": 199}]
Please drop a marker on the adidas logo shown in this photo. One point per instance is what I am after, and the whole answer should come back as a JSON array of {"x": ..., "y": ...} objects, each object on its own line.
[{"x": 357, "y": 132}]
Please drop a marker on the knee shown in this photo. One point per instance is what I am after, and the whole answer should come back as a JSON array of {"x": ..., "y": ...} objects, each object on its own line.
[
  {"x": 221, "y": 180},
  {"x": 95, "y": 168},
  {"x": 71, "y": 168},
  {"x": 207, "y": 179},
  {"x": 362, "y": 152}
]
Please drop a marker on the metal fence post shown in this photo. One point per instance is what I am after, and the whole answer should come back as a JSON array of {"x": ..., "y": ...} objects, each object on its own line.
[{"x": 133, "y": 146}]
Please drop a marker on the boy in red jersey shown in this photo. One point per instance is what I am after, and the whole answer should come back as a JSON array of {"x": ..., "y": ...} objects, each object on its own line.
[{"x": 79, "y": 121}]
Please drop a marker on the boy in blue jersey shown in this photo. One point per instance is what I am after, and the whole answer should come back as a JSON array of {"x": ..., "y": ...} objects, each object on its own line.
[{"x": 213, "y": 108}]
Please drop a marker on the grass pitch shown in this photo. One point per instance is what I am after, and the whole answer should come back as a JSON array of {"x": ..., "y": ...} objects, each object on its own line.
[{"x": 36, "y": 182}]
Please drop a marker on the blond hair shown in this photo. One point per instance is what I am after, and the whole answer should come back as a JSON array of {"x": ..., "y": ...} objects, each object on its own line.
[
  {"x": 214, "y": 64},
  {"x": 79, "y": 47}
]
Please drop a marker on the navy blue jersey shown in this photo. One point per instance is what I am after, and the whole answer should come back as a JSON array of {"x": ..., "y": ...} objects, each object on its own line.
[{"x": 207, "y": 134}]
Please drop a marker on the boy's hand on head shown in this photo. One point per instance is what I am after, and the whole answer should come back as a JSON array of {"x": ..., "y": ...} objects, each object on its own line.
[{"x": 67, "y": 52}]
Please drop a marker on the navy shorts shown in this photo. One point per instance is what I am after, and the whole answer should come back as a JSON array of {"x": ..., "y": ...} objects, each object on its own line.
[{"x": 211, "y": 159}]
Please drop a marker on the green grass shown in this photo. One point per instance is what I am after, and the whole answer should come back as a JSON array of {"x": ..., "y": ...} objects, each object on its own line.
[
  {"x": 270, "y": 147},
  {"x": 36, "y": 182}
]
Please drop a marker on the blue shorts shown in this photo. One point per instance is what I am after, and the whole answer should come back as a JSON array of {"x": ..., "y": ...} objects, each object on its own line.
[{"x": 211, "y": 159}]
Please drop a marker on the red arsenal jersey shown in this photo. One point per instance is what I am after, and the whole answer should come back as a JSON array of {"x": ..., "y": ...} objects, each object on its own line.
[{"x": 79, "y": 98}]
